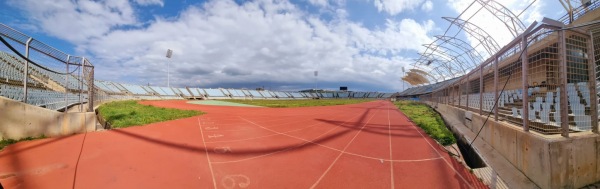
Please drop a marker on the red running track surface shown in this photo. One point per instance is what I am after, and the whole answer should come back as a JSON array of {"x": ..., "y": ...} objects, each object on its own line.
[{"x": 367, "y": 145}]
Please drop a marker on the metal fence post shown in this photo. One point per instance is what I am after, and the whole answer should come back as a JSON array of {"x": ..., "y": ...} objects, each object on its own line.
[
  {"x": 592, "y": 84},
  {"x": 525, "y": 80},
  {"x": 26, "y": 74},
  {"x": 67, "y": 87},
  {"x": 90, "y": 88},
  {"x": 467, "y": 93},
  {"x": 496, "y": 86},
  {"x": 564, "y": 106},
  {"x": 481, "y": 89},
  {"x": 459, "y": 93},
  {"x": 81, "y": 82}
]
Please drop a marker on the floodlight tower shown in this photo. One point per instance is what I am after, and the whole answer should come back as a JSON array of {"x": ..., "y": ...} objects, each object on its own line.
[
  {"x": 403, "y": 82},
  {"x": 316, "y": 79},
  {"x": 169, "y": 54}
]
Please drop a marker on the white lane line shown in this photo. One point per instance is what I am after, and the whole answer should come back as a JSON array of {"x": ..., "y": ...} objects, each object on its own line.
[
  {"x": 280, "y": 133},
  {"x": 325, "y": 146},
  {"x": 438, "y": 153},
  {"x": 265, "y": 136},
  {"x": 343, "y": 150},
  {"x": 212, "y": 173},
  {"x": 390, "y": 138}
]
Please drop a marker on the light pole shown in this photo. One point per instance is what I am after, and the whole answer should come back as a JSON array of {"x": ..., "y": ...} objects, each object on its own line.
[
  {"x": 316, "y": 80},
  {"x": 169, "y": 54},
  {"x": 403, "y": 82}
]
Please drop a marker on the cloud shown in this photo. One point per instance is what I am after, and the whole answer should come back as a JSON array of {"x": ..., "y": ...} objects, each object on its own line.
[
  {"x": 150, "y": 2},
  {"x": 77, "y": 21},
  {"x": 393, "y": 7},
  {"x": 427, "y": 6},
  {"x": 321, "y": 3},
  {"x": 224, "y": 43}
]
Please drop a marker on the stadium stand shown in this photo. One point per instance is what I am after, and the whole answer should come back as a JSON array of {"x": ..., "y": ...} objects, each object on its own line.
[
  {"x": 255, "y": 94},
  {"x": 297, "y": 95},
  {"x": 266, "y": 94},
  {"x": 215, "y": 94}
]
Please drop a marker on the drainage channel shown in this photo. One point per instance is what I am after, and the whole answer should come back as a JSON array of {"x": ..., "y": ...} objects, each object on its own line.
[{"x": 470, "y": 156}]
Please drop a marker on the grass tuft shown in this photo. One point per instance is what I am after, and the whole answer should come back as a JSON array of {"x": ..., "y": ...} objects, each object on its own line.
[
  {"x": 6, "y": 142},
  {"x": 428, "y": 120},
  {"x": 121, "y": 114},
  {"x": 299, "y": 103}
]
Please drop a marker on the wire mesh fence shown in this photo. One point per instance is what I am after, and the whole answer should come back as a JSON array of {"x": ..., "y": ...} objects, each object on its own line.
[
  {"x": 544, "y": 81},
  {"x": 38, "y": 74}
]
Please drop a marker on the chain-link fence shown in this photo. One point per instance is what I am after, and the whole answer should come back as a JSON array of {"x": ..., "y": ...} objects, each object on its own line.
[
  {"x": 543, "y": 81},
  {"x": 40, "y": 75}
]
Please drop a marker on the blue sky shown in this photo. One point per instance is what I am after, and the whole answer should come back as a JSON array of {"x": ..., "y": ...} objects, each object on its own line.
[{"x": 362, "y": 44}]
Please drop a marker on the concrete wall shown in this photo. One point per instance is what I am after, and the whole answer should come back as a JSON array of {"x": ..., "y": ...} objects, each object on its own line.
[
  {"x": 19, "y": 120},
  {"x": 550, "y": 161}
]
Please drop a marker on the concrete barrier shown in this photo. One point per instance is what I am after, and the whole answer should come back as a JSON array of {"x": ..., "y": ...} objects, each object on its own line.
[
  {"x": 550, "y": 161},
  {"x": 19, "y": 120}
]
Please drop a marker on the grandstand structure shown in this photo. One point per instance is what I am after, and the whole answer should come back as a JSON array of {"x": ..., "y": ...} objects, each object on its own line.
[
  {"x": 534, "y": 101},
  {"x": 544, "y": 68},
  {"x": 140, "y": 92}
]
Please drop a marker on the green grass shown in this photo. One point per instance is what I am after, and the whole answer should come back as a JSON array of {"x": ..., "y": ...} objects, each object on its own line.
[
  {"x": 122, "y": 114},
  {"x": 6, "y": 142},
  {"x": 428, "y": 120},
  {"x": 299, "y": 103}
]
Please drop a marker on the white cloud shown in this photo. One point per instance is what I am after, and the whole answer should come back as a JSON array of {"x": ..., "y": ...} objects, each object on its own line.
[
  {"x": 222, "y": 42},
  {"x": 393, "y": 7},
  {"x": 77, "y": 21},
  {"x": 150, "y": 2},
  {"x": 322, "y": 3},
  {"x": 427, "y": 6}
]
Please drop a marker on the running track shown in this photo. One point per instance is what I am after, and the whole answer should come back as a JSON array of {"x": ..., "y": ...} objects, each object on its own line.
[{"x": 368, "y": 145}]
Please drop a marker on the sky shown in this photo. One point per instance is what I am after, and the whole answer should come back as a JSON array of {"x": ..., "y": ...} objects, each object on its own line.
[{"x": 275, "y": 44}]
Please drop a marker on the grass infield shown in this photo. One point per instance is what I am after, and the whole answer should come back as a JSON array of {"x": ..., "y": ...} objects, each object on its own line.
[
  {"x": 299, "y": 103},
  {"x": 428, "y": 120},
  {"x": 121, "y": 114}
]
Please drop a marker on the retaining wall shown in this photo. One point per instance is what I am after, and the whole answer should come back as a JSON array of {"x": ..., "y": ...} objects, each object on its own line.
[
  {"x": 550, "y": 161},
  {"x": 19, "y": 120}
]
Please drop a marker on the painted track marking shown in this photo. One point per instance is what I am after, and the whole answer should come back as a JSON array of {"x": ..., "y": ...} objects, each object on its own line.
[
  {"x": 325, "y": 146},
  {"x": 438, "y": 153},
  {"x": 265, "y": 136},
  {"x": 212, "y": 173},
  {"x": 280, "y": 133},
  {"x": 340, "y": 155},
  {"x": 390, "y": 139}
]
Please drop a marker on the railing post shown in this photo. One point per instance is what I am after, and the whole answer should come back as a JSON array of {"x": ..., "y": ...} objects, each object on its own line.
[
  {"x": 481, "y": 89},
  {"x": 496, "y": 86},
  {"x": 525, "y": 80},
  {"x": 592, "y": 84},
  {"x": 26, "y": 70},
  {"x": 459, "y": 93},
  {"x": 67, "y": 83},
  {"x": 90, "y": 85},
  {"x": 80, "y": 87},
  {"x": 562, "y": 67},
  {"x": 467, "y": 87}
]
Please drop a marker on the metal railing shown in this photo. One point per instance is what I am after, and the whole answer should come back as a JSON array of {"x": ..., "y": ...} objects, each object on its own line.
[
  {"x": 549, "y": 87},
  {"x": 31, "y": 64}
]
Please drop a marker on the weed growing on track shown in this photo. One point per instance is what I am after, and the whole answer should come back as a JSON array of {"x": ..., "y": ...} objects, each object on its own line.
[
  {"x": 428, "y": 120},
  {"x": 122, "y": 114},
  {"x": 6, "y": 142},
  {"x": 299, "y": 103}
]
